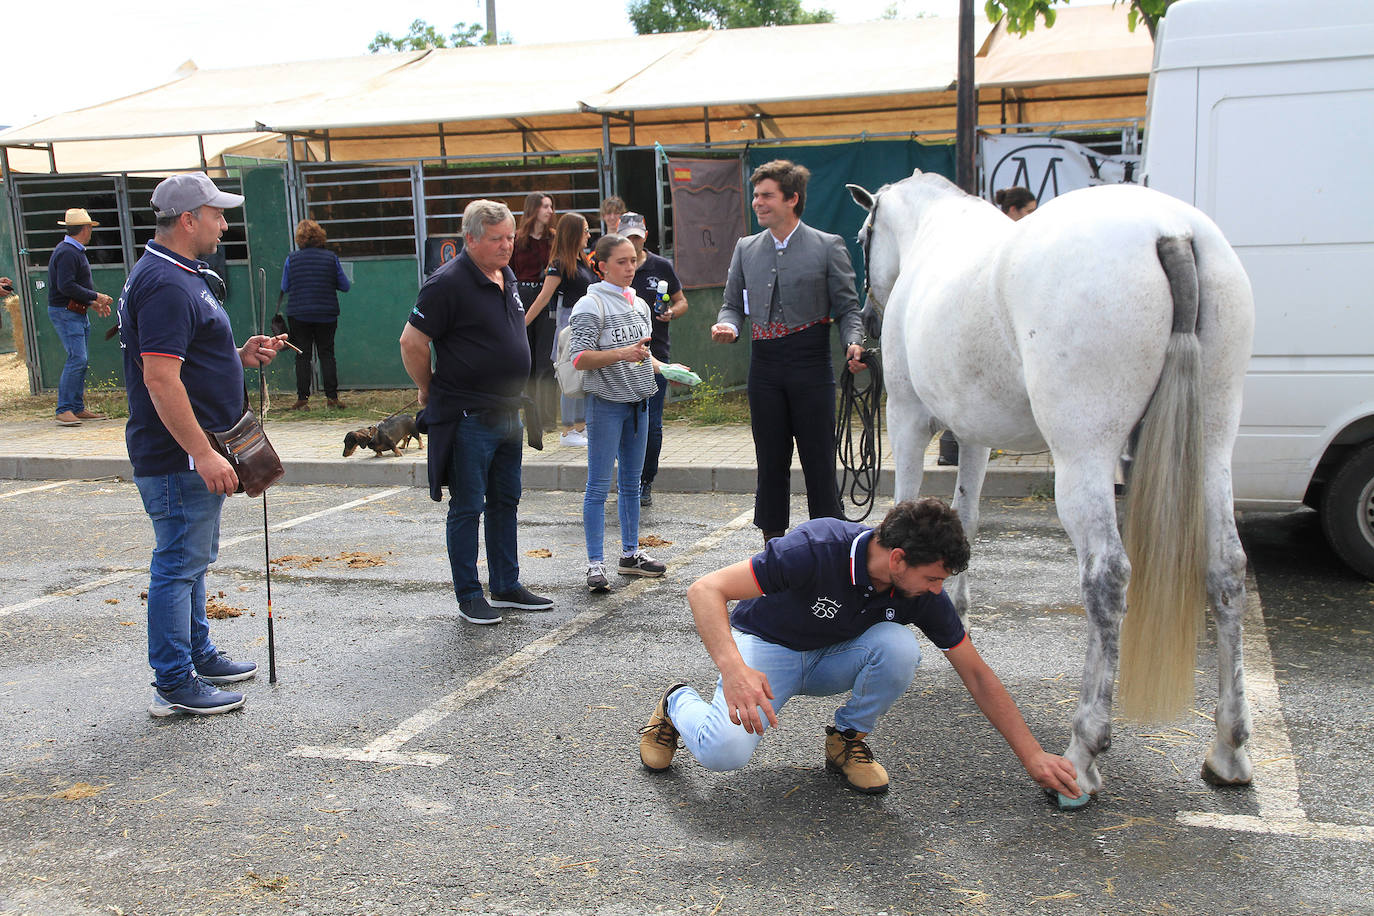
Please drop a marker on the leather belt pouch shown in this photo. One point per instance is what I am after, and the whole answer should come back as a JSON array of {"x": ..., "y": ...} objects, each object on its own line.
[
  {"x": 78, "y": 307},
  {"x": 254, "y": 459}
]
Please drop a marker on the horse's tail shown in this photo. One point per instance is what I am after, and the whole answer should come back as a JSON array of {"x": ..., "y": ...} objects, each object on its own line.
[{"x": 1165, "y": 525}]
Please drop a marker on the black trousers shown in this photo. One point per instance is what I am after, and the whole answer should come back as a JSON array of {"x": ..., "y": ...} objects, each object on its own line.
[
  {"x": 542, "y": 386},
  {"x": 792, "y": 397},
  {"x": 320, "y": 336}
]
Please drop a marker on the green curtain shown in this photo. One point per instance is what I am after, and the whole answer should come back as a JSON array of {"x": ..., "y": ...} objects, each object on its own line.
[{"x": 870, "y": 163}]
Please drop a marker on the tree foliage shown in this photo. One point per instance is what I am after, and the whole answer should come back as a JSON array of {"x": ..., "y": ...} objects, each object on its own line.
[
  {"x": 657, "y": 16},
  {"x": 1022, "y": 14},
  {"x": 422, "y": 35}
]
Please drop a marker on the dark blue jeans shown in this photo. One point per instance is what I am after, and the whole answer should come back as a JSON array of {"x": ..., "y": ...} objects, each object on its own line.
[
  {"x": 655, "y": 446},
  {"x": 484, "y": 480}
]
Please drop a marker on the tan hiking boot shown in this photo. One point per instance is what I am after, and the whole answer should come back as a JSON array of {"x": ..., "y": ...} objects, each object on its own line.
[
  {"x": 658, "y": 739},
  {"x": 847, "y": 754}
]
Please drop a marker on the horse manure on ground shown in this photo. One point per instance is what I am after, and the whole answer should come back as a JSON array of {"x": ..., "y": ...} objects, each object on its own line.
[
  {"x": 351, "y": 559},
  {"x": 216, "y": 609}
]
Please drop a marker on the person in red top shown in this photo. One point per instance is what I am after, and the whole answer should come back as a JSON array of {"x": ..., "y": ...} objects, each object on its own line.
[
  {"x": 534, "y": 237},
  {"x": 565, "y": 282}
]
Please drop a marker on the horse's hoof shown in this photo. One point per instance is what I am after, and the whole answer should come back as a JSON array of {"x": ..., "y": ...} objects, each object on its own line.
[{"x": 1212, "y": 777}]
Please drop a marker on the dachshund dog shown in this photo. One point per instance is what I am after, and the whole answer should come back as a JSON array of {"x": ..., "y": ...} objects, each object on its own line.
[{"x": 392, "y": 435}]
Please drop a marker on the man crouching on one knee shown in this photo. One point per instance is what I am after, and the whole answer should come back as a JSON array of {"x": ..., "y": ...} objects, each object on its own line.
[{"x": 822, "y": 611}]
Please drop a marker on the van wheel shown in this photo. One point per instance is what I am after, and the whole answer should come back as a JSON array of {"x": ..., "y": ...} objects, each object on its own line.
[{"x": 1347, "y": 511}]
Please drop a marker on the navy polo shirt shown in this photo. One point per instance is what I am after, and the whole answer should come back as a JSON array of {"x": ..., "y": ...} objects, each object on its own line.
[
  {"x": 816, "y": 592},
  {"x": 478, "y": 328},
  {"x": 166, "y": 309},
  {"x": 655, "y": 268}
]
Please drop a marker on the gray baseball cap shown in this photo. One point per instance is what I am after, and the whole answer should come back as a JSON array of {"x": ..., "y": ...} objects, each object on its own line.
[
  {"x": 632, "y": 224},
  {"x": 183, "y": 193}
]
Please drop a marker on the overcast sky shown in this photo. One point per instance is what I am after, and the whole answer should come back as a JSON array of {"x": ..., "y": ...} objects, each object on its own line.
[{"x": 63, "y": 56}]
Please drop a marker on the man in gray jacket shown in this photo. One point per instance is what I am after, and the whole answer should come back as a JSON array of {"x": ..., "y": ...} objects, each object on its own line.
[{"x": 793, "y": 282}]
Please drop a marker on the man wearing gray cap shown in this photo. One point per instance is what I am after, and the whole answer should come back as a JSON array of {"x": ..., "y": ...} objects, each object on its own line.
[
  {"x": 70, "y": 293},
  {"x": 184, "y": 376}
]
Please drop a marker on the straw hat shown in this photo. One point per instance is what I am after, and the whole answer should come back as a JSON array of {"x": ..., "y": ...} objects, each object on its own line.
[{"x": 76, "y": 216}]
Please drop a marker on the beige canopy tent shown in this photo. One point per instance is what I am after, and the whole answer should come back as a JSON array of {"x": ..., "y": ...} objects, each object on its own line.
[{"x": 718, "y": 87}]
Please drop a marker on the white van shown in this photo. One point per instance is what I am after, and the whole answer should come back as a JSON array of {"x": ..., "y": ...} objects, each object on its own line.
[{"x": 1261, "y": 114}]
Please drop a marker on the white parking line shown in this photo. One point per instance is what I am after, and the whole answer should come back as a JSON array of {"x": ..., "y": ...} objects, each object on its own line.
[
  {"x": 387, "y": 748},
  {"x": 1276, "y": 785},
  {"x": 46, "y": 486},
  {"x": 223, "y": 545}
]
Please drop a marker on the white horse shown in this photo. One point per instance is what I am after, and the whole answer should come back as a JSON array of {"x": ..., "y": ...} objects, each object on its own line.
[{"x": 1105, "y": 308}]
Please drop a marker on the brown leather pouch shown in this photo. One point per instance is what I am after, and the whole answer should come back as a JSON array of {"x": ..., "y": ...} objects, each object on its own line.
[
  {"x": 78, "y": 307},
  {"x": 254, "y": 459}
]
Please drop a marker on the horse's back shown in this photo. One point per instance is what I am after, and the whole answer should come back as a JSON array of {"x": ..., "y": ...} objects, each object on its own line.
[
  {"x": 1130, "y": 221},
  {"x": 1092, "y": 309}
]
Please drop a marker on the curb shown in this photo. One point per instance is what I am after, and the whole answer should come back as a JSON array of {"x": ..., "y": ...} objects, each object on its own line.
[{"x": 937, "y": 481}]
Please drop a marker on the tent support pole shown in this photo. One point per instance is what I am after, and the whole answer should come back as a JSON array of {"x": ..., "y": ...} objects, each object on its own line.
[
  {"x": 965, "y": 116},
  {"x": 606, "y": 156},
  {"x": 706, "y": 124}
]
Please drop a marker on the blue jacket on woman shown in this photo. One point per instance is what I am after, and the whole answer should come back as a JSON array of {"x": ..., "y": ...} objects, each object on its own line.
[{"x": 311, "y": 280}]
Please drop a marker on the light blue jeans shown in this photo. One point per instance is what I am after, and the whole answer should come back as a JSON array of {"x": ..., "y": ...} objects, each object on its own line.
[
  {"x": 185, "y": 517},
  {"x": 615, "y": 432},
  {"x": 73, "y": 330},
  {"x": 877, "y": 666}
]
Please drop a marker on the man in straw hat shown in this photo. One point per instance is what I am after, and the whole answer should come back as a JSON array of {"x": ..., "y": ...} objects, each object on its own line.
[
  {"x": 184, "y": 376},
  {"x": 70, "y": 293}
]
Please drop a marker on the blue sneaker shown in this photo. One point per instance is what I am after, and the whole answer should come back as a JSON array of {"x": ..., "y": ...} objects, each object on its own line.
[
  {"x": 195, "y": 697},
  {"x": 221, "y": 669}
]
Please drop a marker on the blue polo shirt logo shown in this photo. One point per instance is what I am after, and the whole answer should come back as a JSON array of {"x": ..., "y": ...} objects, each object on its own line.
[
  {"x": 825, "y": 608},
  {"x": 892, "y": 613},
  {"x": 209, "y": 298}
]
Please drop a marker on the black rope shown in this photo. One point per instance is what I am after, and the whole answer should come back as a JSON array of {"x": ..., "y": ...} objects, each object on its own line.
[{"x": 861, "y": 461}]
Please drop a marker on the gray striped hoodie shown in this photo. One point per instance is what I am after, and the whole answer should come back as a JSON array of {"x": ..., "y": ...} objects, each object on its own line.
[{"x": 626, "y": 322}]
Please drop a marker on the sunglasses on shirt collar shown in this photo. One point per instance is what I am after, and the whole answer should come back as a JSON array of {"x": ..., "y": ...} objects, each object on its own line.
[{"x": 215, "y": 282}]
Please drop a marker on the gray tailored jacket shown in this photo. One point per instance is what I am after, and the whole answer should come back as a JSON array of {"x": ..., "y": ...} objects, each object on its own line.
[{"x": 814, "y": 279}]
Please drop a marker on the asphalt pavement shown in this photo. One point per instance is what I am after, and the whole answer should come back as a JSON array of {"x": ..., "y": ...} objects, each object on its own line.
[{"x": 408, "y": 762}]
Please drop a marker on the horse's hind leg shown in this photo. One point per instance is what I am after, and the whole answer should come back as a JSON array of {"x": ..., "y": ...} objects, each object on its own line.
[
  {"x": 968, "y": 489},
  {"x": 1087, "y": 508},
  {"x": 1227, "y": 763}
]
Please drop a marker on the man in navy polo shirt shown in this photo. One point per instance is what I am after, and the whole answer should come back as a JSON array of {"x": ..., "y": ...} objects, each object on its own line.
[
  {"x": 468, "y": 311},
  {"x": 657, "y": 284},
  {"x": 184, "y": 376},
  {"x": 822, "y": 611}
]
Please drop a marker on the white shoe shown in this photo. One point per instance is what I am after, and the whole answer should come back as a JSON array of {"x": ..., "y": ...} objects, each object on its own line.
[{"x": 574, "y": 438}]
